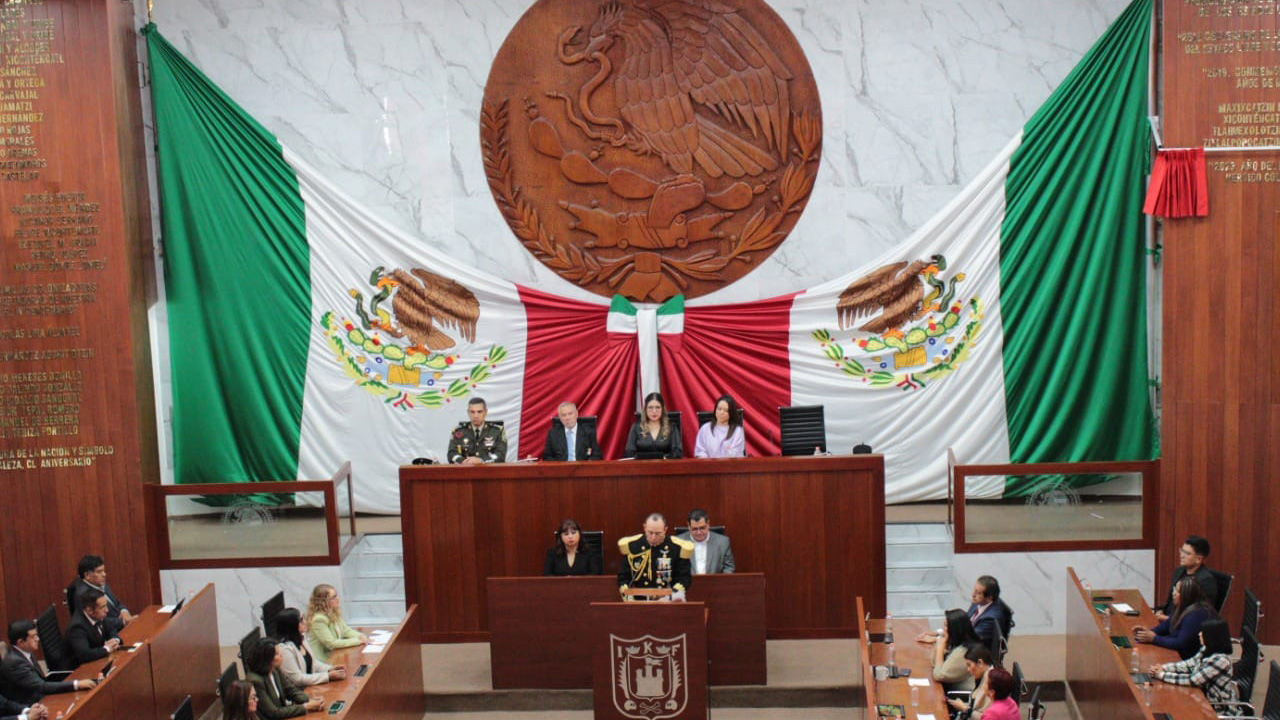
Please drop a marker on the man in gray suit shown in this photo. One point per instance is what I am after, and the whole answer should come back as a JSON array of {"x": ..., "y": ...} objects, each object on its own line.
[{"x": 711, "y": 551}]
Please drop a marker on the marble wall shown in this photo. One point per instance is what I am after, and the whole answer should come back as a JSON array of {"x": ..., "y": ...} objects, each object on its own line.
[
  {"x": 384, "y": 95},
  {"x": 241, "y": 591},
  {"x": 1034, "y": 584}
]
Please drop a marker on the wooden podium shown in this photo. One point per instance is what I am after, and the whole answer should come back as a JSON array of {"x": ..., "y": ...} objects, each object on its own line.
[{"x": 649, "y": 660}]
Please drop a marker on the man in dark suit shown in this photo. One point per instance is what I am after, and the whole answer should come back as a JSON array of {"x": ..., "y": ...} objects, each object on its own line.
[
  {"x": 21, "y": 678},
  {"x": 92, "y": 575},
  {"x": 987, "y": 611},
  {"x": 88, "y": 637},
  {"x": 1191, "y": 557},
  {"x": 10, "y": 710},
  {"x": 570, "y": 441}
]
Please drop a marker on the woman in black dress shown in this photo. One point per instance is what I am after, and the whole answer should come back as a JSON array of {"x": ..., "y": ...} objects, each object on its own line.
[
  {"x": 654, "y": 434},
  {"x": 570, "y": 556}
]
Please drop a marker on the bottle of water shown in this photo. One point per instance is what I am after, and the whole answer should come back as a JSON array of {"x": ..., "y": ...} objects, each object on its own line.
[
  {"x": 1106, "y": 620},
  {"x": 1134, "y": 667},
  {"x": 915, "y": 696},
  {"x": 1146, "y": 693},
  {"x": 888, "y": 628},
  {"x": 893, "y": 665}
]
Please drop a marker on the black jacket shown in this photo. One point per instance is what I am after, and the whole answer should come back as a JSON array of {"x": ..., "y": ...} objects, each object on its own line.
[
  {"x": 584, "y": 441},
  {"x": 24, "y": 682},
  {"x": 87, "y": 641}
]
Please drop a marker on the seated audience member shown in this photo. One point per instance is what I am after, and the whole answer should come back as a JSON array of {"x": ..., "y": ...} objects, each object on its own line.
[
  {"x": 474, "y": 441},
  {"x": 654, "y": 434},
  {"x": 92, "y": 575},
  {"x": 10, "y": 710},
  {"x": 724, "y": 436},
  {"x": 570, "y": 556},
  {"x": 949, "y": 648},
  {"x": 329, "y": 631},
  {"x": 278, "y": 697},
  {"x": 711, "y": 551},
  {"x": 651, "y": 560},
  {"x": 299, "y": 665},
  {"x": 1180, "y": 632},
  {"x": 21, "y": 678},
  {"x": 987, "y": 611},
  {"x": 568, "y": 441},
  {"x": 88, "y": 637},
  {"x": 1191, "y": 557},
  {"x": 1000, "y": 688},
  {"x": 1209, "y": 669},
  {"x": 977, "y": 662},
  {"x": 240, "y": 702}
]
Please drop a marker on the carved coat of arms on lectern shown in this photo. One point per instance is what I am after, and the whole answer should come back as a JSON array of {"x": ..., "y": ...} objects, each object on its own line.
[{"x": 649, "y": 676}]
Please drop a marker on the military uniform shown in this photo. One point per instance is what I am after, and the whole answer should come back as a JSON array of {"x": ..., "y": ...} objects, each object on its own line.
[
  {"x": 489, "y": 443},
  {"x": 666, "y": 565}
]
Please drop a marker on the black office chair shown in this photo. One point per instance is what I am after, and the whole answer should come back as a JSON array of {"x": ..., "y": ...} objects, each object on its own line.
[
  {"x": 1019, "y": 683},
  {"x": 998, "y": 647},
  {"x": 1035, "y": 710},
  {"x": 1252, "y": 613},
  {"x": 1223, "y": 581},
  {"x": 1246, "y": 668},
  {"x": 592, "y": 540},
  {"x": 250, "y": 639},
  {"x": 270, "y": 609},
  {"x": 229, "y": 675},
  {"x": 802, "y": 429},
  {"x": 184, "y": 711},
  {"x": 1270, "y": 704},
  {"x": 56, "y": 653}
]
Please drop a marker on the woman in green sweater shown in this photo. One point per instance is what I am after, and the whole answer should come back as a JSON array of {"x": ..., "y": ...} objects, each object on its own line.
[{"x": 328, "y": 630}]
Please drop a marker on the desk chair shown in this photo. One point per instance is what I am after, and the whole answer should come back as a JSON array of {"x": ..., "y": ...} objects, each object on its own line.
[
  {"x": 184, "y": 711},
  {"x": 1035, "y": 710},
  {"x": 801, "y": 429},
  {"x": 1019, "y": 683},
  {"x": 1246, "y": 668},
  {"x": 1252, "y": 614},
  {"x": 230, "y": 675},
  {"x": 56, "y": 653},
  {"x": 1223, "y": 581},
  {"x": 270, "y": 609},
  {"x": 1270, "y": 705},
  {"x": 250, "y": 639}
]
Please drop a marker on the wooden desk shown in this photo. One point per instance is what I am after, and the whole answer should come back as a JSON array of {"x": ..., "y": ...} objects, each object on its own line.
[
  {"x": 813, "y": 525},
  {"x": 908, "y": 654},
  {"x": 391, "y": 689},
  {"x": 178, "y": 657},
  {"x": 539, "y": 625},
  {"x": 1098, "y": 677}
]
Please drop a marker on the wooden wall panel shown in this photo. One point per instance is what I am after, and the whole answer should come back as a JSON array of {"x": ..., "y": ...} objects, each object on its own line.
[
  {"x": 77, "y": 427},
  {"x": 1221, "y": 373},
  {"x": 813, "y": 526}
]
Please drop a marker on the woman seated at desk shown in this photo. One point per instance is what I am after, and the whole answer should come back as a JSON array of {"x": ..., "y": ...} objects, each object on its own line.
[
  {"x": 278, "y": 697},
  {"x": 569, "y": 556},
  {"x": 724, "y": 436},
  {"x": 949, "y": 648},
  {"x": 653, "y": 435},
  {"x": 240, "y": 702},
  {"x": 1209, "y": 669},
  {"x": 329, "y": 631},
  {"x": 299, "y": 665},
  {"x": 1181, "y": 631},
  {"x": 1000, "y": 687}
]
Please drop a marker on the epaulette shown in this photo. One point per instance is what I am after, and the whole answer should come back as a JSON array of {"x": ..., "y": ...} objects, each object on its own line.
[
  {"x": 624, "y": 544},
  {"x": 686, "y": 547}
]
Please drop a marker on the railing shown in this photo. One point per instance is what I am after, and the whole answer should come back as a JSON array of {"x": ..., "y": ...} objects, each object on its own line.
[
  {"x": 1054, "y": 506},
  {"x": 260, "y": 524}
]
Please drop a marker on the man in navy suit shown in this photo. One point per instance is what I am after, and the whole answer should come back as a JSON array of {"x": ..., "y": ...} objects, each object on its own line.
[
  {"x": 21, "y": 677},
  {"x": 92, "y": 575},
  {"x": 88, "y": 637},
  {"x": 987, "y": 611},
  {"x": 569, "y": 440}
]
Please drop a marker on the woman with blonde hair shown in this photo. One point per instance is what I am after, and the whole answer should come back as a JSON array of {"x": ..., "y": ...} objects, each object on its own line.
[{"x": 329, "y": 631}]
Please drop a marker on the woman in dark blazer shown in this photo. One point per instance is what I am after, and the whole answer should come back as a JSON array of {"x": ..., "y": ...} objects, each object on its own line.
[
  {"x": 1181, "y": 631},
  {"x": 570, "y": 556},
  {"x": 278, "y": 697},
  {"x": 654, "y": 433}
]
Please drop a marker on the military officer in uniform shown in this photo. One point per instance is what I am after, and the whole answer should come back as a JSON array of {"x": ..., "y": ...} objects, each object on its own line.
[
  {"x": 475, "y": 441},
  {"x": 653, "y": 560}
]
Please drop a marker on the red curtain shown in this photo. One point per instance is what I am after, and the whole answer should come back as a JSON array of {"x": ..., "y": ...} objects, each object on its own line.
[
  {"x": 737, "y": 349},
  {"x": 571, "y": 357},
  {"x": 1179, "y": 187}
]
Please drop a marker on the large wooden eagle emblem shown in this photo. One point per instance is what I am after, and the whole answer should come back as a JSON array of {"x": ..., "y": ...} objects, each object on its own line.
[{"x": 651, "y": 147}]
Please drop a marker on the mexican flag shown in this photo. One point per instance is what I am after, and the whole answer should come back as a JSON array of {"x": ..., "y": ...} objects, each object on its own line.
[{"x": 305, "y": 332}]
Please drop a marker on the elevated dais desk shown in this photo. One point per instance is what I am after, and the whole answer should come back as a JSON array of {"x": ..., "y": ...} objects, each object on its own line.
[
  {"x": 539, "y": 626},
  {"x": 814, "y": 526}
]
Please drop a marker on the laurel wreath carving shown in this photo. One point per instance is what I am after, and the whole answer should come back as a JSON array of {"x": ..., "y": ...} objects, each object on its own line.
[{"x": 579, "y": 266}]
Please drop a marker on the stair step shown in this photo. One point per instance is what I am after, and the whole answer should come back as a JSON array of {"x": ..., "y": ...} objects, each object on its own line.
[
  {"x": 935, "y": 578},
  {"x": 917, "y": 554},
  {"x": 917, "y": 533}
]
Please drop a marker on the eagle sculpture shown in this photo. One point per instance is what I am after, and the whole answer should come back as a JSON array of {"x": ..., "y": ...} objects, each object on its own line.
[
  {"x": 896, "y": 289},
  {"x": 694, "y": 74},
  {"x": 424, "y": 302}
]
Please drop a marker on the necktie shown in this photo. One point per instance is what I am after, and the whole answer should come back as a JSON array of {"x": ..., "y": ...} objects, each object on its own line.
[
  {"x": 974, "y": 617},
  {"x": 572, "y": 446}
]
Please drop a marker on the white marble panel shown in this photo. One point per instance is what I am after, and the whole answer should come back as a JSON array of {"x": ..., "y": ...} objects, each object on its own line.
[
  {"x": 384, "y": 97},
  {"x": 241, "y": 591},
  {"x": 1034, "y": 584}
]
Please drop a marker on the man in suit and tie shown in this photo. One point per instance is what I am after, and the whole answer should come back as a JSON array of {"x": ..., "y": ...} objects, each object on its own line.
[
  {"x": 570, "y": 441},
  {"x": 711, "y": 551},
  {"x": 987, "y": 611},
  {"x": 10, "y": 710},
  {"x": 92, "y": 575},
  {"x": 88, "y": 637},
  {"x": 21, "y": 678}
]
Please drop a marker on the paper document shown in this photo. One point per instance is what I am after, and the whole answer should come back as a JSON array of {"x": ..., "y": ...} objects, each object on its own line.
[
  {"x": 1122, "y": 607},
  {"x": 919, "y": 682},
  {"x": 373, "y": 648},
  {"x": 165, "y": 609},
  {"x": 924, "y": 716}
]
